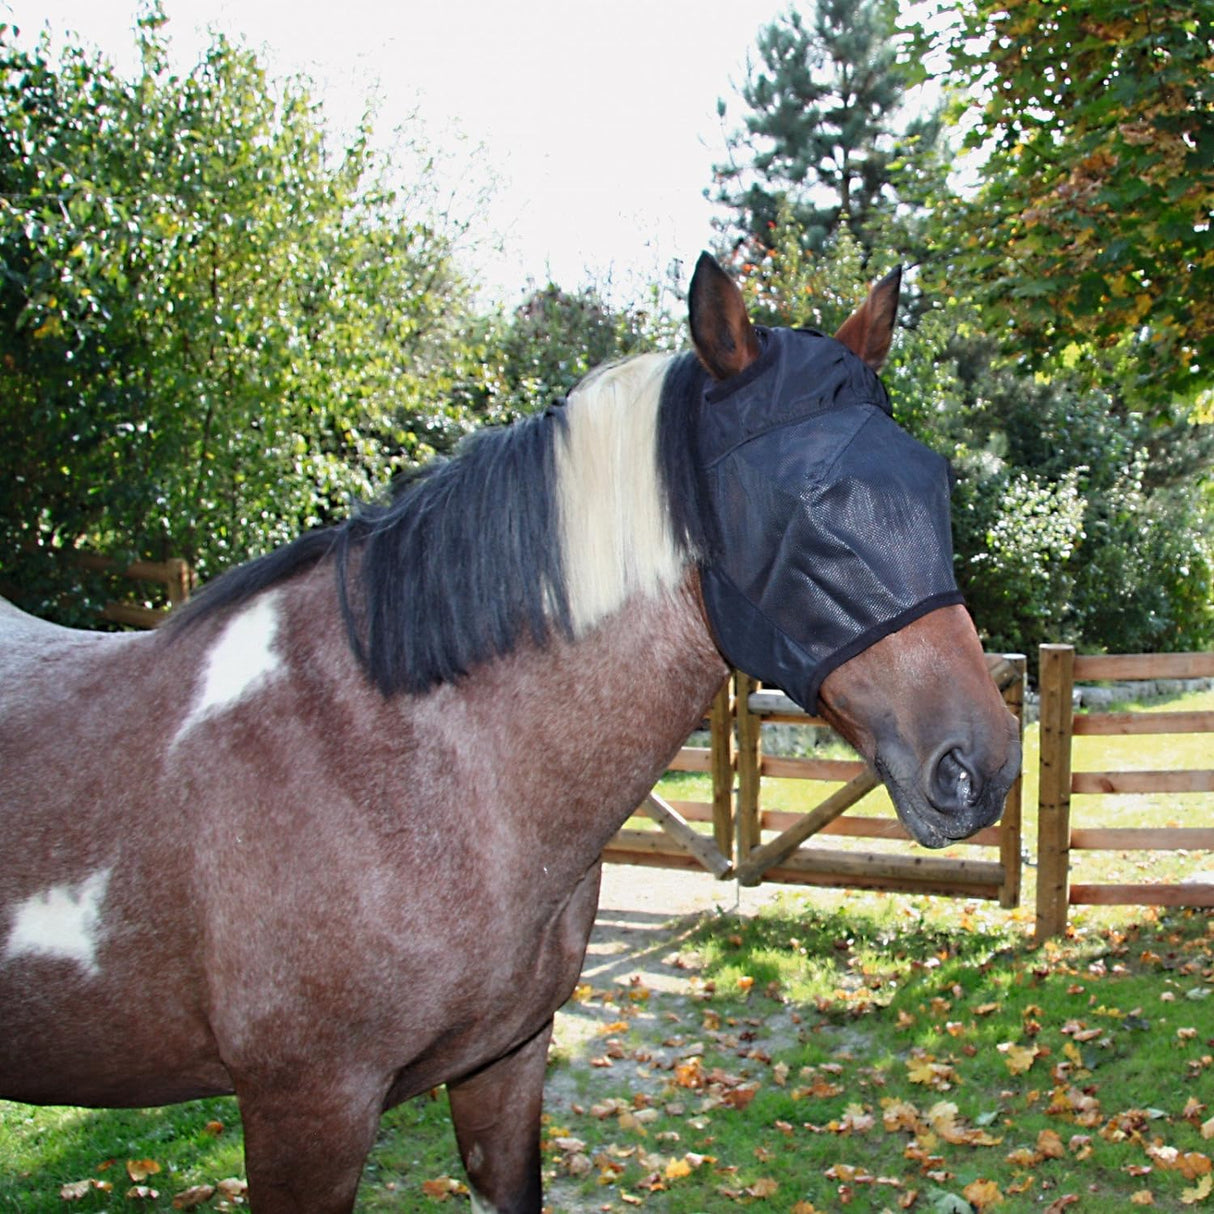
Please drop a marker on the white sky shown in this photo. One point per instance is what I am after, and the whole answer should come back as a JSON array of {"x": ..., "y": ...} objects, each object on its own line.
[{"x": 596, "y": 117}]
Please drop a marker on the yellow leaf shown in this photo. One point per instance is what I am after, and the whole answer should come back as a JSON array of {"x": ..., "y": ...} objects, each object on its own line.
[
  {"x": 1023, "y": 1157},
  {"x": 442, "y": 1187},
  {"x": 1050, "y": 1145},
  {"x": 1017, "y": 1058},
  {"x": 1207, "y": 1128},
  {"x": 899, "y": 1115},
  {"x": 676, "y": 1169},
  {"x": 983, "y": 1194},
  {"x": 140, "y": 1169},
  {"x": 192, "y": 1198},
  {"x": 1200, "y": 1191},
  {"x": 1144, "y": 1197}
]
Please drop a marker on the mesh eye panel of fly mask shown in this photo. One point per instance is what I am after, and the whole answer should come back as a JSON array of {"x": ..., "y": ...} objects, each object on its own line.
[{"x": 833, "y": 522}]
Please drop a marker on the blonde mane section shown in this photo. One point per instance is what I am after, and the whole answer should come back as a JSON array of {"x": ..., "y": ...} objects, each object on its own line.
[{"x": 615, "y": 529}]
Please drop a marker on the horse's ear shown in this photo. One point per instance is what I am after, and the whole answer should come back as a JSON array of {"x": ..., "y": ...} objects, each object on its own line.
[
  {"x": 868, "y": 331},
  {"x": 724, "y": 338}
]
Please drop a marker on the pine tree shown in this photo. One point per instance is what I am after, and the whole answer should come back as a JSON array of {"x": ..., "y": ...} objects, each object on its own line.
[{"x": 825, "y": 136}]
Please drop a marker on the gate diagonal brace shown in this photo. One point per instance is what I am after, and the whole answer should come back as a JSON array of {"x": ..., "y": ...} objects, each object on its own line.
[
  {"x": 675, "y": 825},
  {"x": 751, "y": 870}
]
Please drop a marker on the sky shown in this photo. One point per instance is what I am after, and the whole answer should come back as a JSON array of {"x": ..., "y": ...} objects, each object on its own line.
[{"x": 594, "y": 122}]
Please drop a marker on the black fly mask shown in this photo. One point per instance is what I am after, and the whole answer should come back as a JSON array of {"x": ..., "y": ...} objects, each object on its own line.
[{"x": 833, "y": 522}]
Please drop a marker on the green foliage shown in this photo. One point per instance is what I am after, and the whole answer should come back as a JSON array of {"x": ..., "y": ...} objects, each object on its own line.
[
  {"x": 1092, "y": 221},
  {"x": 214, "y": 331},
  {"x": 1060, "y": 530},
  {"x": 532, "y": 357},
  {"x": 824, "y": 135}
]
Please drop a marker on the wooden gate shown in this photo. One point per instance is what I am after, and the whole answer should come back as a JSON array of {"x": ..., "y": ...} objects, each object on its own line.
[
  {"x": 737, "y": 847},
  {"x": 787, "y": 857}
]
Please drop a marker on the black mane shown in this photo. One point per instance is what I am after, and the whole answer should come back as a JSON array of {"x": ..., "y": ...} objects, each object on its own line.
[{"x": 464, "y": 562}]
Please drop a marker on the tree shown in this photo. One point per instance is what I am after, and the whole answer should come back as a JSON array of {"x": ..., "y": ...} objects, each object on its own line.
[
  {"x": 533, "y": 356},
  {"x": 1091, "y": 227},
  {"x": 213, "y": 332},
  {"x": 825, "y": 137}
]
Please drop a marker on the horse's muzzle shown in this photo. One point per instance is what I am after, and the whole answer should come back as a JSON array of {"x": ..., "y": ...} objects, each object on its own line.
[{"x": 954, "y": 795}]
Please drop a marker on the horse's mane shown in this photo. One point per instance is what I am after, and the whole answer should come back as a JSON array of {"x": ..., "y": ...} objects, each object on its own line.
[{"x": 465, "y": 561}]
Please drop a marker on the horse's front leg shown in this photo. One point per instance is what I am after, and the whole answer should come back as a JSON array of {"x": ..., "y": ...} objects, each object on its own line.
[
  {"x": 306, "y": 1139},
  {"x": 497, "y": 1125}
]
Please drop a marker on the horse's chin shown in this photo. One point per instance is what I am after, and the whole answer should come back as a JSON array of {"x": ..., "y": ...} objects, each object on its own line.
[{"x": 933, "y": 827}]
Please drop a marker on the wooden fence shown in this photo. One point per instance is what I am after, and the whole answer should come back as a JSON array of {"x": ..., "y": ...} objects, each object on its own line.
[
  {"x": 1056, "y": 838},
  {"x": 175, "y": 575},
  {"x": 753, "y": 843}
]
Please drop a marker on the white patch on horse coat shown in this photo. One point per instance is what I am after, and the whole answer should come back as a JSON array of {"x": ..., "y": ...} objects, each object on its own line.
[
  {"x": 616, "y": 537},
  {"x": 241, "y": 661},
  {"x": 61, "y": 922},
  {"x": 479, "y": 1204}
]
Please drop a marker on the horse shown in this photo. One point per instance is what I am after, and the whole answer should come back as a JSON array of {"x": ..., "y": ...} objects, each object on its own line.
[{"x": 348, "y": 805}]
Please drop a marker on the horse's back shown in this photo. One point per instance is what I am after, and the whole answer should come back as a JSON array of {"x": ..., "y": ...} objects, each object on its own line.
[{"x": 25, "y": 637}]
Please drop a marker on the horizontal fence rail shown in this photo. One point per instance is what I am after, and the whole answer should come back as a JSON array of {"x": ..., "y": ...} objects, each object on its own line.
[{"x": 1060, "y": 668}]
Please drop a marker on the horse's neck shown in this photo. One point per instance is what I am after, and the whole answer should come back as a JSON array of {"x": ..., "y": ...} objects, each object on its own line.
[
  {"x": 570, "y": 736},
  {"x": 582, "y": 731}
]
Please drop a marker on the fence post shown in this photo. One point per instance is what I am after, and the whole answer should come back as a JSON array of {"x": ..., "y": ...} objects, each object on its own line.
[
  {"x": 720, "y": 725},
  {"x": 750, "y": 758},
  {"x": 1056, "y": 682},
  {"x": 1010, "y": 828},
  {"x": 179, "y": 580}
]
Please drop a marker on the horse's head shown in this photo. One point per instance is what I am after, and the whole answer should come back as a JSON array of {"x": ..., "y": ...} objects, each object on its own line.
[{"x": 831, "y": 575}]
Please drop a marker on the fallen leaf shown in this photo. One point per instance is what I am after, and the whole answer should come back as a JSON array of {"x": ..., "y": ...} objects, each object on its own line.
[
  {"x": 141, "y": 1192},
  {"x": 193, "y": 1197},
  {"x": 1017, "y": 1058},
  {"x": 763, "y": 1187},
  {"x": 1144, "y": 1197},
  {"x": 899, "y": 1115},
  {"x": 1023, "y": 1157},
  {"x": 1050, "y": 1145},
  {"x": 74, "y": 1190},
  {"x": 140, "y": 1169},
  {"x": 442, "y": 1187},
  {"x": 1199, "y": 1192},
  {"x": 983, "y": 1193}
]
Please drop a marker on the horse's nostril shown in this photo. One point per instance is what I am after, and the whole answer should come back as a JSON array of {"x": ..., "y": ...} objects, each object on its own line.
[{"x": 954, "y": 784}]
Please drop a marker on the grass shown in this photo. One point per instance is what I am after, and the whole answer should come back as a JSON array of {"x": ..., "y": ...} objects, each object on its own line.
[
  {"x": 818, "y": 1048},
  {"x": 886, "y": 1058}
]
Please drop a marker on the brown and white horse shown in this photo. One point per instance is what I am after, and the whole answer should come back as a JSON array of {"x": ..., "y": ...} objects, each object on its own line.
[{"x": 348, "y": 807}]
